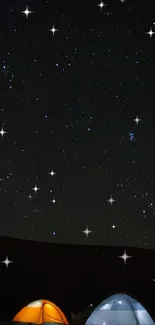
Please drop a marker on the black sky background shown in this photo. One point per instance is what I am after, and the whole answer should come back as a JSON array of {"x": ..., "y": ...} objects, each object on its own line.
[{"x": 68, "y": 104}]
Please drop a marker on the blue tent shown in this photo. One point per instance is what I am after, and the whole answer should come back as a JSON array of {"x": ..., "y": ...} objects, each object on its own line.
[{"x": 120, "y": 309}]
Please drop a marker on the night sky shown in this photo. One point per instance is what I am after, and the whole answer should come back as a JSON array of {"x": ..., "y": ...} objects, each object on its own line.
[{"x": 77, "y": 121}]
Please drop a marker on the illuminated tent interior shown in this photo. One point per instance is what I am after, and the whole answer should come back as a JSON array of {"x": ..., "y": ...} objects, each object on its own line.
[
  {"x": 120, "y": 309},
  {"x": 40, "y": 312}
]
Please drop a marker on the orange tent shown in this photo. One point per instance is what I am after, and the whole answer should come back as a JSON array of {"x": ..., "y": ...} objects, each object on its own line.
[{"x": 39, "y": 312}]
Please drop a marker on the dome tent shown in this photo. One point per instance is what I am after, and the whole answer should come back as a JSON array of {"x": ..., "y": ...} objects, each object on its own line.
[
  {"x": 41, "y": 312},
  {"x": 120, "y": 309}
]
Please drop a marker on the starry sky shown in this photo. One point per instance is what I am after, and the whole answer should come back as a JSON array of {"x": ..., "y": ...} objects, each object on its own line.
[{"x": 77, "y": 135}]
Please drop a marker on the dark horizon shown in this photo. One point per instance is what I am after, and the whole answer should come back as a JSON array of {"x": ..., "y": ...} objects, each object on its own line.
[{"x": 73, "y": 277}]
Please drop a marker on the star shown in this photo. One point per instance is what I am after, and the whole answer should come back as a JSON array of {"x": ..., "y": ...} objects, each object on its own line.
[
  {"x": 87, "y": 231},
  {"x": 26, "y": 12},
  {"x": 111, "y": 200},
  {"x": 53, "y": 30},
  {"x": 2, "y": 132},
  {"x": 35, "y": 188},
  {"x": 52, "y": 173},
  {"x": 125, "y": 257},
  {"x": 113, "y": 226},
  {"x": 101, "y": 5},
  {"x": 6, "y": 261},
  {"x": 122, "y": 1},
  {"x": 53, "y": 200},
  {"x": 131, "y": 136},
  {"x": 137, "y": 120},
  {"x": 150, "y": 32},
  {"x": 30, "y": 196}
]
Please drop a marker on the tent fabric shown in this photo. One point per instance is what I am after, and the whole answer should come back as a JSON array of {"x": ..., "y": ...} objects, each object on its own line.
[
  {"x": 22, "y": 323},
  {"x": 120, "y": 309},
  {"x": 41, "y": 312}
]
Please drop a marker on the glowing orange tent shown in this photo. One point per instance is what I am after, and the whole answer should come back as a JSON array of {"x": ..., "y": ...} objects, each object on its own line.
[{"x": 39, "y": 312}]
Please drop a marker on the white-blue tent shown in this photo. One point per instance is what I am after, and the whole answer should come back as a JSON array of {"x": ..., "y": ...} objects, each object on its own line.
[{"x": 120, "y": 309}]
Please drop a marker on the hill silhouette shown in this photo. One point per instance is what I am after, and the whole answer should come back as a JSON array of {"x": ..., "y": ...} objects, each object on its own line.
[{"x": 71, "y": 276}]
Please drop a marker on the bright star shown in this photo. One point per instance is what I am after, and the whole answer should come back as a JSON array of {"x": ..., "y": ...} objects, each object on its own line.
[
  {"x": 101, "y": 5},
  {"x": 52, "y": 173},
  {"x": 137, "y": 120},
  {"x": 2, "y": 132},
  {"x": 124, "y": 257},
  {"x": 35, "y": 188},
  {"x": 111, "y": 200},
  {"x": 6, "y": 261},
  {"x": 150, "y": 32},
  {"x": 113, "y": 226},
  {"x": 53, "y": 30},
  {"x": 87, "y": 231},
  {"x": 27, "y": 12},
  {"x": 53, "y": 200}
]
